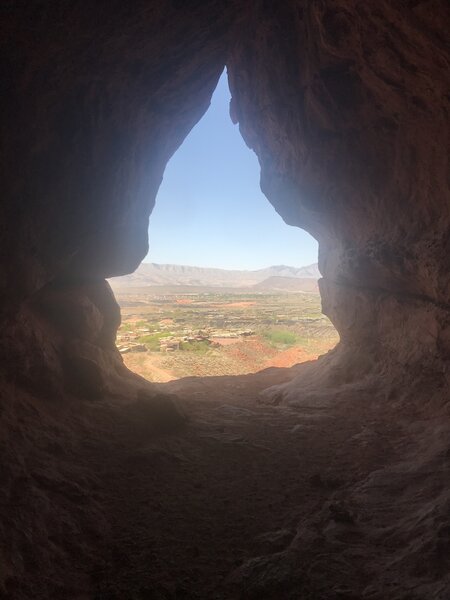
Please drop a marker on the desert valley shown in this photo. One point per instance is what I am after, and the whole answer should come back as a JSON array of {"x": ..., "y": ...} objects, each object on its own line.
[{"x": 186, "y": 321}]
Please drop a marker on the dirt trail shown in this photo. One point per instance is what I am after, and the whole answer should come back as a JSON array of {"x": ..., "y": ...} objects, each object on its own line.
[{"x": 191, "y": 507}]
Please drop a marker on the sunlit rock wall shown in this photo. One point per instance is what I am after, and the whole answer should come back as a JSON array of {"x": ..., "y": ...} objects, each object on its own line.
[
  {"x": 346, "y": 104},
  {"x": 96, "y": 100}
]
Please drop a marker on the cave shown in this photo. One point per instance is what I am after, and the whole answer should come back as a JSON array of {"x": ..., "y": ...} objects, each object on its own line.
[
  {"x": 346, "y": 106},
  {"x": 227, "y": 287}
]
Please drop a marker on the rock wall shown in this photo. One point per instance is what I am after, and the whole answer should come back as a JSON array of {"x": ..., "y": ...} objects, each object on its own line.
[
  {"x": 95, "y": 99},
  {"x": 346, "y": 105}
]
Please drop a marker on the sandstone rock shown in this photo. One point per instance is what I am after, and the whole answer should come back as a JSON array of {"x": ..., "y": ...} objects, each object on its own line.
[
  {"x": 71, "y": 312},
  {"x": 346, "y": 105}
]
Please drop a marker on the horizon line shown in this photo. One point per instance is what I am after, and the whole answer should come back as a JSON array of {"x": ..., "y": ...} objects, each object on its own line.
[{"x": 225, "y": 268}]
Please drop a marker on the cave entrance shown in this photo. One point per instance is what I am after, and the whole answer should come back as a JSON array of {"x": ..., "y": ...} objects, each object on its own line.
[{"x": 227, "y": 287}]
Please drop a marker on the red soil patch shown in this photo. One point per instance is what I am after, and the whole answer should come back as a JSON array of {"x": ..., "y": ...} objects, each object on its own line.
[
  {"x": 257, "y": 354},
  {"x": 290, "y": 357},
  {"x": 226, "y": 341},
  {"x": 184, "y": 301},
  {"x": 251, "y": 353}
]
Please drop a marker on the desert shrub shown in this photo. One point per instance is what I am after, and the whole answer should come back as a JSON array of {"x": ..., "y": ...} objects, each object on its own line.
[{"x": 197, "y": 346}]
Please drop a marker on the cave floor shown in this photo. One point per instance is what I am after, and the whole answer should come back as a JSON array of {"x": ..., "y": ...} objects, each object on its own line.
[{"x": 189, "y": 508}]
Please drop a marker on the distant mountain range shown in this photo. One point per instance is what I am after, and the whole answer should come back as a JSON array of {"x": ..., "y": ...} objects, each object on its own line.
[{"x": 280, "y": 277}]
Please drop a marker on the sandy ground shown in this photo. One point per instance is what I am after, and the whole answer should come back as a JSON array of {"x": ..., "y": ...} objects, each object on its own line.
[
  {"x": 336, "y": 493},
  {"x": 190, "y": 508}
]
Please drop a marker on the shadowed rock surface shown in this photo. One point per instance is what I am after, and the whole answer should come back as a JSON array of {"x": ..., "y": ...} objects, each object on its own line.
[{"x": 346, "y": 105}]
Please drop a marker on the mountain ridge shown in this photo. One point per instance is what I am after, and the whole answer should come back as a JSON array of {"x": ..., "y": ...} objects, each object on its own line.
[{"x": 154, "y": 274}]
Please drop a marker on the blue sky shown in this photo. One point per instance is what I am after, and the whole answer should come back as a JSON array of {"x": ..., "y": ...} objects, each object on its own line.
[{"x": 210, "y": 211}]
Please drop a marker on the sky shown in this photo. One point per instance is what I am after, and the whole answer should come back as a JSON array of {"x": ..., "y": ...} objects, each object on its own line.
[{"x": 210, "y": 211}]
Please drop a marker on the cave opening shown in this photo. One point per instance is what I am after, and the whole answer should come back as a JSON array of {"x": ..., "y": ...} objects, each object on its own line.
[
  {"x": 326, "y": 480},
  {"x": 227, "y": 286}
]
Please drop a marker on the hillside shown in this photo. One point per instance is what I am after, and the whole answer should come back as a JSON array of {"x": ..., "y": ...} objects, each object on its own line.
[
  {"x": 288, "y": 284},
  {"x": 152, "y": 274}
]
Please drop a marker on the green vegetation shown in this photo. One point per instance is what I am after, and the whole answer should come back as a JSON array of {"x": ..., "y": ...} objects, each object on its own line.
[
  {"x": 197, "y": 346},
  {"x": 152, "y": 340},
  {"x": 280, "y": 337},
  {"x": 183, "y": 329}
]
